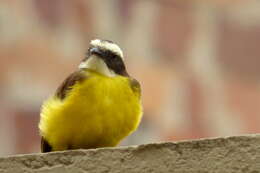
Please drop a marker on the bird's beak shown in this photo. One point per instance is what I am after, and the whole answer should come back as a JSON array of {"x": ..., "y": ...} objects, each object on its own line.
[
  {"x": 96, "y": 51},
  {"x": 99, "y": 53}
]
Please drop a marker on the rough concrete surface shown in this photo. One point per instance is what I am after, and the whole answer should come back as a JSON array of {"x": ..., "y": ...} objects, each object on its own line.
[{"x": 239, "y": 154}]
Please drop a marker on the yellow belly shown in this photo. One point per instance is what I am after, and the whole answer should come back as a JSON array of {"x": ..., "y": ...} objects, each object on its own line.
[{"x": 98, "y": 112}]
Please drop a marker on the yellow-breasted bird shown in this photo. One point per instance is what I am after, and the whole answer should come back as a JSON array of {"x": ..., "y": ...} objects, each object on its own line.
[{"x": 96, "y": 106}]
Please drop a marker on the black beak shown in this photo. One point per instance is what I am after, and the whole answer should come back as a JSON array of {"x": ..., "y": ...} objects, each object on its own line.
[{"x": 96, "y": 51}]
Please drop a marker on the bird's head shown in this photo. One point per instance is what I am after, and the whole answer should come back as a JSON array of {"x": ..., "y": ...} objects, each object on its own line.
[{"x": 105, "y": 57}]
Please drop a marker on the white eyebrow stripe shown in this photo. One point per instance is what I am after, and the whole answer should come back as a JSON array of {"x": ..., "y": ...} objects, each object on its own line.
[{"x": 109, "y": 46}]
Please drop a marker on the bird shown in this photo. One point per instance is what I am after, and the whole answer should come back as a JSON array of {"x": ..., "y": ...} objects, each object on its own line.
[{"x": 96, "y": 106}]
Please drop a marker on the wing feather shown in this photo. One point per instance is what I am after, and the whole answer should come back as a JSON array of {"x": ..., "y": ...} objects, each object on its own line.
[
  {"x": 45, "y": 146},
  {"x": 68, "y": 83},
  {"x": 135, "y": 85}
]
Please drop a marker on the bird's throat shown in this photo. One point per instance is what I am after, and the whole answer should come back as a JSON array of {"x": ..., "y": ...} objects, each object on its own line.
[{"x": 98, "y": 65}]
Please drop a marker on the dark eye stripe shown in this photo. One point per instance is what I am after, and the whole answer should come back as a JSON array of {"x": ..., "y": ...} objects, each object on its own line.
[{"x": 110, "y": 53}]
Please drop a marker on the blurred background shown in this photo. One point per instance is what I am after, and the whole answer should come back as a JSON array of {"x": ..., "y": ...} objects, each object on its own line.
[{"x": 198, "y": 63}]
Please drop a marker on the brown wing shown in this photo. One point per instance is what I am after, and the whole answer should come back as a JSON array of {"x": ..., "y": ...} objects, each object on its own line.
[
  {"x": 45, "y": 146},
  {"x": 135, "y": 85},
  {"x": 63, "y": 89}
]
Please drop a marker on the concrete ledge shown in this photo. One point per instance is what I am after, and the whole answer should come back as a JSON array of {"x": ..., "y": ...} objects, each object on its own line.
[{"x": 240, "y": 154}]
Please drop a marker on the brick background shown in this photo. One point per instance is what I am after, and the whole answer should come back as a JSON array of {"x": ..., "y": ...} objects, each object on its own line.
[{"x": 197, "y": 62}]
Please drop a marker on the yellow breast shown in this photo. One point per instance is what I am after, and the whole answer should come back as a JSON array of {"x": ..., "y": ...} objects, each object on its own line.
[{"x": 98, "y": 112}]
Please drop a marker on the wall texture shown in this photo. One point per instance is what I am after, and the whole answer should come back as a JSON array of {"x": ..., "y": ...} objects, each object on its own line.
[{"x": 239, "y": 154}]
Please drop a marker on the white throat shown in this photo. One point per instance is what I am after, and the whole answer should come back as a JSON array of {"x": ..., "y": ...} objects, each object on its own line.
[{"x": 97, "y": 64}]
